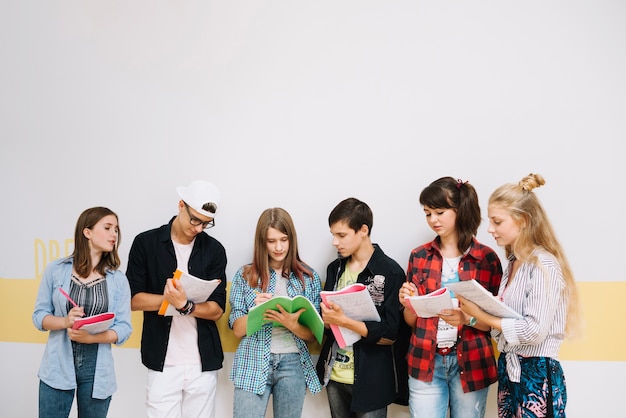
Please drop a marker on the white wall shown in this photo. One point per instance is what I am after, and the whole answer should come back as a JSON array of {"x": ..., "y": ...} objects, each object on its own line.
[{"x": 301, "y": 104}]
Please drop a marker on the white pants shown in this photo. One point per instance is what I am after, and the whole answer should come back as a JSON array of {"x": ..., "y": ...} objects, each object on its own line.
[{"x": 181, "y": 391}]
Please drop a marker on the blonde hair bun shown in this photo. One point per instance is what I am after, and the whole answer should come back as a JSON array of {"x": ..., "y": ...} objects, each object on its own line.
[{"x": 531, "y": 181}]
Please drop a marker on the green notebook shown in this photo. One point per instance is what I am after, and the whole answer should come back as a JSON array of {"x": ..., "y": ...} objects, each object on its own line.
[{"x": 309, "y": 318}]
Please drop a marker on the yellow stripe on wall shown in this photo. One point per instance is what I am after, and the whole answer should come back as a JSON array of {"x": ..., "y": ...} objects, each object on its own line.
[{"x": 599, "y": 301}]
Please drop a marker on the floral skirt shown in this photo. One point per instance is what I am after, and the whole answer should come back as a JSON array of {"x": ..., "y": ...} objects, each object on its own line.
[{"x": 541, "y": 392}]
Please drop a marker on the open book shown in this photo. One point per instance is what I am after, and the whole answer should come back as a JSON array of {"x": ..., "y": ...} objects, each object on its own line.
[
  {"x": 474, "y": 292},
  {"x": 310, "y": 318},
  {"x": 429, "y": 305},
  {"x": 357, "y": 304},
  {"x": 197, "y": 290},
  {"x": 95, "y": 324}
]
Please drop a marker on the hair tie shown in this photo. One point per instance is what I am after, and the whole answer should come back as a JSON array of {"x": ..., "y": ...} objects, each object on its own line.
[{"x": 460, "y": 182}]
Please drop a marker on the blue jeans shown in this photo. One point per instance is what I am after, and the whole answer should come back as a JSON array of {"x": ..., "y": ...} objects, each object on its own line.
[
  {"x": 432, "y": 399},
  {"x": 57, "y": 403},
  {"x": 340, "y": 399},
  {"x": 285, "y": 383}
]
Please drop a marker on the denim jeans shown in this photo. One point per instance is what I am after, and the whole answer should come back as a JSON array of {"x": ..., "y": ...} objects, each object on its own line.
[
  {"x": 285, "y": 383},
  {"x": 340, "y": 398},
  {"x": 56, "y": 403},
  {"x": 432, "y": 399}
]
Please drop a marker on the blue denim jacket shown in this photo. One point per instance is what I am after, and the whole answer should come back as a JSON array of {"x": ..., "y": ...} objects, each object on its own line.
[{"x": 57, "y": 365}]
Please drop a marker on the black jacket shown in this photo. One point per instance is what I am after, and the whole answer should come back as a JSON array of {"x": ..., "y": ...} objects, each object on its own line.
[
  {"x": 380, "y": 375},
  {"x": 151, "y": 262}
]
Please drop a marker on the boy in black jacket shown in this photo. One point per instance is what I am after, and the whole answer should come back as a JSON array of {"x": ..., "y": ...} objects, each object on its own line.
[{"x": 372, "y": 373}]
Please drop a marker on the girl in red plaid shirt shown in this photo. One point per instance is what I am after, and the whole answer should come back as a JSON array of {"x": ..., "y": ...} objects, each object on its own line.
[{"x": 450, "y": 359}]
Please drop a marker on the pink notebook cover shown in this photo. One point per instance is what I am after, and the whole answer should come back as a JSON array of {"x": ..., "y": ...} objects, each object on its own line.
[
  {"x": 93, "y": 319},
  {"x": 337, "y": 331}
]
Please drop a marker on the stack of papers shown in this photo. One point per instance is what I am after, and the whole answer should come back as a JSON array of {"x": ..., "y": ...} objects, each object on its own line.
[
  {"x": 474, "y": 292},
  {"x": 429, "y": 305},
  {"x": 357, "y": 304}
]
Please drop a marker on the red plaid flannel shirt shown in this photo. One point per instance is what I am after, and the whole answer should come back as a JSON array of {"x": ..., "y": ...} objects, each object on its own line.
[{"x": 475, "y": 351}]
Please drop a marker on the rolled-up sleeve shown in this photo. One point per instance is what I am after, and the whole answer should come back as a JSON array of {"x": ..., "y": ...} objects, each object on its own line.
[
  {"x": 122, "y": 324},
  {"x": 44, "y": 304}
]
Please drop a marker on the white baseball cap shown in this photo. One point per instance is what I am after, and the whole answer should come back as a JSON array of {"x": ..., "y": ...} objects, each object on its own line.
[{"x": 203, "y": 196}]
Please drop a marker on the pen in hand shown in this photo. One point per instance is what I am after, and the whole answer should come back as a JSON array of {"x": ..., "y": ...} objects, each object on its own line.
[
  {"x": 64, "y": 293},
  {"x": 69, "y": 316},
  {"x": 410, "y": 290}
]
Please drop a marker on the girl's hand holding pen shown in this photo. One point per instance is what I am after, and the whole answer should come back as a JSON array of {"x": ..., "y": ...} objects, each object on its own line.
[
  {"x": 75, "y": 312},
  {"x": 262, "y": 297},
  {"x": 407, "y": 289}
]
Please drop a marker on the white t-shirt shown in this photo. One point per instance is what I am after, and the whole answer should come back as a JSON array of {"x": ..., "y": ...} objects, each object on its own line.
[
  {"x": 182, "y": 348},
  {"x": 282, "y": 338},
  {"x": 446, "y": 333}
]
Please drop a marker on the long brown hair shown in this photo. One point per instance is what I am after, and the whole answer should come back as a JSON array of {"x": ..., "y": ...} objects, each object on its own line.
[
  {"x": 82, "y": 254},
  {"x": 258, "y": 273}
]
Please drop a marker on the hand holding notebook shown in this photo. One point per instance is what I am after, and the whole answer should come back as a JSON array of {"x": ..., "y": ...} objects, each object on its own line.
[{"x": 95, "y": 324}]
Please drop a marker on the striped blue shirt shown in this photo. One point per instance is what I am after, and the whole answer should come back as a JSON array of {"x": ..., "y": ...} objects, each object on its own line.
[{"x": 538, "y": 293}]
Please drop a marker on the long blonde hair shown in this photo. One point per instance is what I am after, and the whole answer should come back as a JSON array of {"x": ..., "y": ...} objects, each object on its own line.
[{"x": 526, "y": 210}]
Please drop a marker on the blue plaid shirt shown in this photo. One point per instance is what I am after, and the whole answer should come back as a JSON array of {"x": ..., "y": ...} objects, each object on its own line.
[{"x": 251, "y": 364}]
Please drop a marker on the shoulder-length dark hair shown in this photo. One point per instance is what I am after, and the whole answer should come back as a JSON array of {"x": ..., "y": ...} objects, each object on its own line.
[
  {"x": 82, "y": 254},
  {"x": 258, "y": 273},
  {"x": 448, "y": 193}
]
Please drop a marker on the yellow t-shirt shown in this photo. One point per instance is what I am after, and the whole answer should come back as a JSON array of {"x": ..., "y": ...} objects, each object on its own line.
[{"x": 343, "y": 367}]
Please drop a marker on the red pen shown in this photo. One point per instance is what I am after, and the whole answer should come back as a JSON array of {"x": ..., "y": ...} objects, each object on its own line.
[{"x": 64, "y": 293}]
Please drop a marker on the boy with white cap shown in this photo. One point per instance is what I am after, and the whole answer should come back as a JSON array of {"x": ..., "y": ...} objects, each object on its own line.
[{"x": 183, "y": 352}]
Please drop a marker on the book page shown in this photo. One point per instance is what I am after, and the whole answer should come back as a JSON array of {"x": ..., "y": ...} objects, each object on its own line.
[
  {"x": 474, "y": 292},
  {"x": 429, "y": 305},
  {"x": 197, "y": 290},
  {"x": 357, "y": 304},
  {"x": 309, "y": 318}
]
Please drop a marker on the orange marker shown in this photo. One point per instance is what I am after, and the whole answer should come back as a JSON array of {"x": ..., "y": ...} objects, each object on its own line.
[{"x": 165, "y": 303}]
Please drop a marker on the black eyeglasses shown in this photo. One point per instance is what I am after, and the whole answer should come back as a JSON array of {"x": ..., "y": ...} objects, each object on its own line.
[{"x": 195, "y": 221}]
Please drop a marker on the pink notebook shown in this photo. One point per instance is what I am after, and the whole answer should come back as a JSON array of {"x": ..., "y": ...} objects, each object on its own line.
[
  {"x": 95, "y": 324},
  {"x": 356, "y": 302}
]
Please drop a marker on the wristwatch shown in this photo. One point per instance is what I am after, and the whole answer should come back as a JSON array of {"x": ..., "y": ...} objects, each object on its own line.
[
  {"x": 472, "y": 321},
  {"x": 187, "y": 309}
]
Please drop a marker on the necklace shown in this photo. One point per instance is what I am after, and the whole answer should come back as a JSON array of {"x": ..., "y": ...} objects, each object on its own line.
[{"x": 450, "y": 266}]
